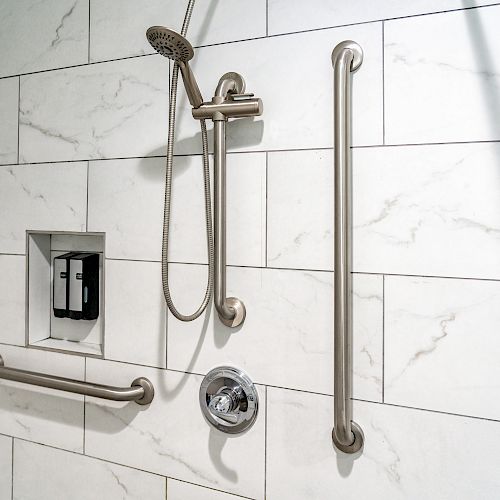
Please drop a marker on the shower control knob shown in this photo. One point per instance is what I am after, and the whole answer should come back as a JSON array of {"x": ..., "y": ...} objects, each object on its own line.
[{"x": 229, "y": 400}]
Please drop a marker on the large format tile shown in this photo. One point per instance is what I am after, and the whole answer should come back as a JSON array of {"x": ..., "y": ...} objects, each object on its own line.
[
  {"x": 428, "y": 210},
  {"x": 287, "y": 337},
  {"x": 110, "y": 110},
  {"x": 300, "y": 209},
  {"x": 9, "y": 104},
  {"x": 286, "y": 16},
  {"x": 118, "y": 27},
  {"x": 49, "y": 197},
  {"x": 126, "y": 200},
  {"x": 12, "y": 299},
  {"x": 245, "y": 212},
  {"x": 135, "y": 313},
  {"x": 36, "y": 35},
  {"x": 294, "y": 77},
  {"x": 43, "y": 473},
  {"x": 441, "y": 344},
  {"x": 408, "y": 454},
  {"x": 5, "y": 467},
  {"x": 170, "y": 436},
  {"x": 179, "y": 490},
  {"x": 38, "y": 414},
  {"x": 442, "y": 74}
]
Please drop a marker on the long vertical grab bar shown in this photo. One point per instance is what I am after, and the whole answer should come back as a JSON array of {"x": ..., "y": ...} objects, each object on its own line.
[
  {"x": 347, "y": 436},
  {"x": 231, "y": 310}
]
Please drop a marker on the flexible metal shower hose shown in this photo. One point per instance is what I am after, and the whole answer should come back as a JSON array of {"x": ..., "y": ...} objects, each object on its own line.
[{"x": 168, "y": 195}]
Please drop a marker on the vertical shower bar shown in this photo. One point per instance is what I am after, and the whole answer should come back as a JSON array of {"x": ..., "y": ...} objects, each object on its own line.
[
  {"x": 231, "y": 310},
  {"x": 347, "y": 435}
]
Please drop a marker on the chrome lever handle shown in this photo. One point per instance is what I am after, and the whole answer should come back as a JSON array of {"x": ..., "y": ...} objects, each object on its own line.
[{"x": 225, "y": 404}]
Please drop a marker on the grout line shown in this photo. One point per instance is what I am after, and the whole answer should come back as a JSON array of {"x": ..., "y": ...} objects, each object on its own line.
[
  {"x": 166, "y": 488},
  {"x": 18, "y": 114},
  {"x": 265, "y": 446},
  {"x": 383, "y": 82},
  {"x": 87, "y": 202},
  {"x": 267, "y": 18},
  {"x": 88, "y": 33},
  {"x": 84, "y": 405},
  {"x": 362, "y": 23},
  {"x": 267, "y": 212},
  {"x": 12, "y": 472},
  {"x": 383, "y": 338},
  {"x": 301, "y": 269},
  {"x": 92, "y": 457},
  {"x": 246, "y": 152}
]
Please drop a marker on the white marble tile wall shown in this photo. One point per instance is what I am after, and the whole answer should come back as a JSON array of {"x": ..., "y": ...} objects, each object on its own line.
[
  {"x": 9, "y": 104},
  {"x": 434, "y": 323},
  {"x": 442, "y": 77},
  {"x": 135, "y": 313},
  {"x": 118, "y": 27},
  {"x": 36, "y": 36},
  {"x": 179, "y": 490},
  {"x": 92, "y": 115},
  {"x": 111, "y": 110},
  {"x": 134, "y": 225},
  {"x": 287, "y": 16},
  {"x": 50, "y": 197},
  {"x": 33, "y": 464},
  {"x": 5, "y": 467},
  {"x": 403, "y": 457}
]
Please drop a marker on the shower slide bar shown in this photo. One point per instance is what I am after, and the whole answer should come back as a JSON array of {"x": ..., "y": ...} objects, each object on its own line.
[
  {"x": 347, "y": 436},
  {"x": 141, "y": 390}
]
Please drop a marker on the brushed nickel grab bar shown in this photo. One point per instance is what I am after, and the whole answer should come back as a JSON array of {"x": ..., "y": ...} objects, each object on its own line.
[
  {"x": 141, "y": 390},
  {"x": 229, "y": 101},
  {"x": 347, "y": 436}
]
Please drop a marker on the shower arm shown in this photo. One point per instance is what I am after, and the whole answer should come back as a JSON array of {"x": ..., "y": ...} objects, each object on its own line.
[
  {"x": 229, "y": 101},
  {"x": 347, "y": 435}
]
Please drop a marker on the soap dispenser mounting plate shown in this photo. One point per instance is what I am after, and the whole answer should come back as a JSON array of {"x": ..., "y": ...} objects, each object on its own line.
[{"x": 229, "y": 400}]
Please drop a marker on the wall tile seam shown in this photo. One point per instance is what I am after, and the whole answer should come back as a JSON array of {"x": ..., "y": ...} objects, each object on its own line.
[
  {"x": 166, "y": 477},
  {"x": 252, "y": 151},
  {"x": 290, "y": 33},
  {"x": 273, "y": 268}
]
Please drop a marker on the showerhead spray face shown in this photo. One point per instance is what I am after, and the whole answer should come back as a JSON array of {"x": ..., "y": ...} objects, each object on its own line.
[{"x": 170, "y": 44}]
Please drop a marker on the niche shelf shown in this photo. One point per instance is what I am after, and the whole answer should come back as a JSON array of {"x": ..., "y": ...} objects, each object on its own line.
[{"x": 43, "y": 329}]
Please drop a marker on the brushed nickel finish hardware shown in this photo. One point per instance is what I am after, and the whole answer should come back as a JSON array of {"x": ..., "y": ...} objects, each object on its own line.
[
  {"x": 141, "y": 390},
  {"x": 229, "y": 400},
  {"x": 229, "y": 101},
  {"x": 347, "y": 436}
]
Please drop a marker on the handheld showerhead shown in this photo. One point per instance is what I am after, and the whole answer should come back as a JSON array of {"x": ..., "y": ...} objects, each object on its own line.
[{"x": 170, "y": 44}]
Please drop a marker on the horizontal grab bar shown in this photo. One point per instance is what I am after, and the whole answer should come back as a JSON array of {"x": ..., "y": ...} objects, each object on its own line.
[{"x": 141, "y": 390}]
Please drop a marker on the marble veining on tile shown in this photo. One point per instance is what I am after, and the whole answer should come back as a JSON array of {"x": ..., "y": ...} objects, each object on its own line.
[
  {"x": 161, "y": 438},
  {"x": 117, "y": 109},
  {"x": 427, "y": 210},
  {"x": 39, "y": 35},
  {"x": 120, "y": 31},
  {"x": 287, "y": 338},
  {"x": 396, "y": 462},
  {"x": 9, "y": 101},
  {"x": 49, "y": 197},
  {"x": 442, "y": 74},
  {"x": 434, "y": 323},
  {"x": 43, "y": 473}
]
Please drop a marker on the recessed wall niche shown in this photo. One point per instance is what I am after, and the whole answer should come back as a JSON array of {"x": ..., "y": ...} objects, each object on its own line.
[{"x": 44, "y": 330}]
